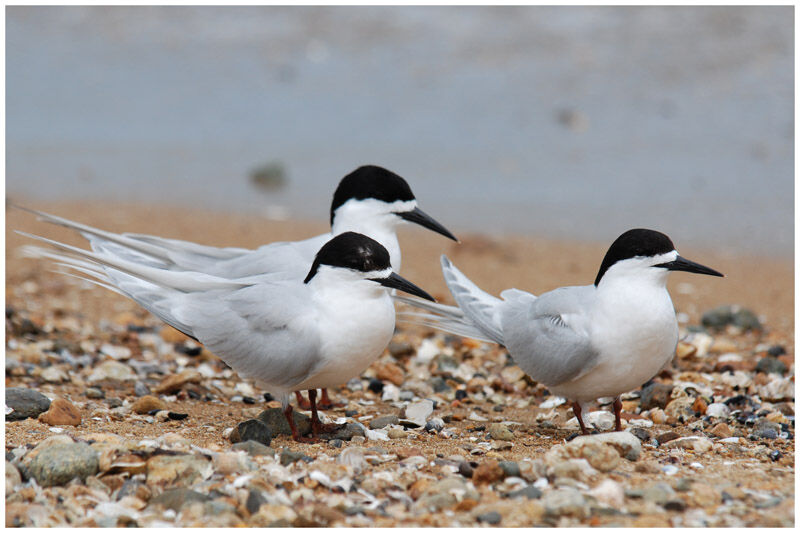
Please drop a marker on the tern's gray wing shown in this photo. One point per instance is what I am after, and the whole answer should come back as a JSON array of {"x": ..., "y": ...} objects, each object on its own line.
[
  {"x": 480, "y": 307},
  {"x": 548, "y": 336},
  {"x": 266, "y": 332}
]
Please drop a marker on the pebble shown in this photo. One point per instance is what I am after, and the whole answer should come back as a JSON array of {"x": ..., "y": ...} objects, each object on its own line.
[
  {"x": 61, "y": 462},
  {"x": 277, "y": 424},
  {"x": 529, "y": 492},
  {"x": 655, "y": 395},
  {"x": 418, "y": 412},
  {"x": 388, "y": 371},
  {"x": 26, "y": 403},
  {"x": 434, "y": 425},
  {"x": 658, "y": 493},
  {"x": 697, "y": 444},
  {"x": 141, "y": 389},
  {"x": 487, "y": 471},
  {"x": 400, "y": 349},
  {"x": 61, "y": 413},
  {"x": 718, "y": 410},
  {"x": 13, "y": 478},
  {"x": 94, "y": 393},
  {"x": 177, "y": 470},
  {"x": 766, "y": 430},
  {"x": 112, "y": 370},
  {"x": 640, "y": 433},
  {"x": 146, "y": 404},
  {"x": 175, "y": 499},
  {"x": 253, "y": 448},
  {"x": 721, "y": 430},
  {"x": 771, "y": 365},
  {"x": 288, "y": 457},
  {"x": 666, "y": 437},
  {"x": 175, "y": 382},
  {"x": 396, "y": 433},
  {"x": 383, "y": 421},
  {"x": 492, "y": 517},
  {"x": 54, "y": 374},
  {"x": 626, "y": 444},
  {"x": 510, "y": 469},
  {"x": 251, "y": 430},
  {"x": 500, "y": 432},
  {"x": 566, "y": 502},
  {"x": 600, "y": 455},
  {"x": 610, "y": 493}
]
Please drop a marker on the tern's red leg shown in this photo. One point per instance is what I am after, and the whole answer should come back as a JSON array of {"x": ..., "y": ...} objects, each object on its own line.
[
  {"x": 326, "y": 403},
  {"x": 617, "y": 414},
  {"x": 576, "y": 409},
  {"x": 317, "y": 426},
  {"x": 302, "y": 403},
  {"x": 288, "y": 413}
]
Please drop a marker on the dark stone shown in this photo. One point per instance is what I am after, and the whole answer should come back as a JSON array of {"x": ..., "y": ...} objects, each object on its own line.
[
  {"x": 253, "y": 448},
  {"x": 276, "y": 421},
  {"x": 492, "y": 517},
  {"x": 254, "y": 500},
  {"x": 445, "y": 364},
  {"x": 771, "y": 365},
  {"x": 254, "y": 430},
  {"x": 177, "y": 416},
  {"x": 113, "y": 402},
  {"x": 248, "y": 400},
  {"x": 346, "y": 432},
  {"x": 461, "y": 394},
  {"x": 776, "y": 350},
  {"x": 718, "y": 317},
  {"x": 375, "y": 385},
  {"x": 176, "y": 498},
  {"x": 351, "y": 412},
  {"x": 268, "y": 397},
  {"x": 766, "y": 429},
  {"x": 641, "y": 434},
  {"x": 530, "y": 492},
  {"x": 288, "y": 457},
  {"x": 439, "y": 384},
  {"x": 666, "y": 437},
  {"x": 465, "y": 469},
  {"x": 191, "y": 351},
  {"x": 27, "y": 403},
  {"x": 510, "y": 468},
  {"x": 747, "y": 320},
  {"x": 336, "y": 443},
  {"x": 655, "y": 395},
  {"x": 26, "y": 327},
  {"x": 675, "y": 505},
  {"x": 775, "y": 455},
  {"x": 434, "y": 425},
  {"x": 383, "y": 421}
]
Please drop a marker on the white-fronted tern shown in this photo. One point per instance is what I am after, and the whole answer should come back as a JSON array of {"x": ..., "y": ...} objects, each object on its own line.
[
  {"x": 286, "y": 334},
  {"x": 583, "y": 343}
]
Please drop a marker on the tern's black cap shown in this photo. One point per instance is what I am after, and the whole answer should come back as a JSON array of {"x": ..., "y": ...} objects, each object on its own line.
[
  {"x": 635, "y": 243},
  {"x": 351, "y": 250},
  {"x": 371, "y": 181}
]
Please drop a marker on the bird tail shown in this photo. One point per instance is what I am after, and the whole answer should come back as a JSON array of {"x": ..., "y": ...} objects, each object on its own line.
[
  {"x": 144, "y": 249},
  {"x": 476, "y": 316}
]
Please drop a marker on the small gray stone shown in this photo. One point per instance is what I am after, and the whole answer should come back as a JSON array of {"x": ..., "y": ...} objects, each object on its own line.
[
  {"x": 93, "y": 393},
  {"x": 252, "y": 430},
  {"x": 176, "y": 498},
  {"x": 624, "y": 442},
  {"x": 355, "y": 385},
  {"x": 445, "y": 364},
  {"x": 641, "y": 434},
  {"x": 60, "y": 463},
  {"x": 434, "y": 425},
  {"x": 288, "y": 457},
  {"x": 566, "y": 501},
  {"x": 141, "y": 389},
  {"x": 492, "y": 517},
  {"x": 399, "y": 349},
  {"x": 659, "y": 493},
  {"x": 383, "y": 421},
  {"x": 766, "y": 429},
  {"x": 276, "y": 421},
  {"x": 253, "y": 448},
  {"x": 718, "y": 317},
  {"x": 438, "y": 384},
  {"x": 255, "y": 498},
  {"x": 27, "y": 403},
  {"x": 530, "y": 492},
  {"x": 510, "y": 468},
  {"x": 771, "y": 365},
  {"x": 347, "y": 432},
  {"x": 746, "y": 319}
]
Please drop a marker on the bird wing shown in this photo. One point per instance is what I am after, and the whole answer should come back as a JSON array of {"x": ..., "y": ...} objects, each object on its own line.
[
  {"x": 548, "y": 336},
  {"x": 266, "y": 332}
]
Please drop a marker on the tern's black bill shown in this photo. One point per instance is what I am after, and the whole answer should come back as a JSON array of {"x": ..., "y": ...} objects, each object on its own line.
[
  {"x": 401, "y": 284},
  {"x": 689, "y": 266},
  {"x": 418, "y": 216}
]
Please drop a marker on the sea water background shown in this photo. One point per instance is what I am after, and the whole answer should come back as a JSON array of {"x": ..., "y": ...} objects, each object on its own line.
[{"x": 568, "y": 122}]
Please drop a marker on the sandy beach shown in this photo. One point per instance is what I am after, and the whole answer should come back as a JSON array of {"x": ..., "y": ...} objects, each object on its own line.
[{"x": 727, "y": 476}]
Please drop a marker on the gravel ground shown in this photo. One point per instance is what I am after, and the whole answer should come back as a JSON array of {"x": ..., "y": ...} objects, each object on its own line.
[{"x": 114, "y": 420}]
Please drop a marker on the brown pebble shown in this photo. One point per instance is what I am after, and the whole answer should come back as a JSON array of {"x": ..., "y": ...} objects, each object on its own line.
[
  {"x": 388, "y": 371},
  {"x": 146, "y": 404},
  {"x": 487, "y": 472},
  {"x": 408, "y": 451},
  {"x": 61, "y": 413},
  {"x": 176, "y": 381},
  {"x": 666, "y": 437},
  {"x": 699, "y": 405},
  {"x": 721, "y": 430}
]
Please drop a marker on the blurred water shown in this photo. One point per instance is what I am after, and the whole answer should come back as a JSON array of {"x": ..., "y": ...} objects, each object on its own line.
[{"x": 568, "y": 122}]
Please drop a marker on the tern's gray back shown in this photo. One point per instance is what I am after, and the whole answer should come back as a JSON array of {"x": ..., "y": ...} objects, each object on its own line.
[
  {"x": 548, "y": 336},
  {"x": 266, "y": 332}
]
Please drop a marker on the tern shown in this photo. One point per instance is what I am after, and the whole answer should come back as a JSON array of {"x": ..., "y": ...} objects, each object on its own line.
[
  {"x": 284, "y": 334},
  {"x": 583, "y": 343},
  {"x": 370, "y": 200}
]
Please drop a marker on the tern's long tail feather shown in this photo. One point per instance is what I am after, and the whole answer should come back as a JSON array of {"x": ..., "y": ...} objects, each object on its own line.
[
  {"x": 146, "y": 249},
  {"x": 476, "y": 315},
  {"x": 152, "y": 288}
]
